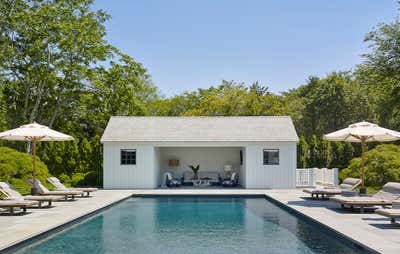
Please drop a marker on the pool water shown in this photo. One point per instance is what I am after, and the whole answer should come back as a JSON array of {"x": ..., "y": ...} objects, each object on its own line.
[{"x": 193, "y": 225}]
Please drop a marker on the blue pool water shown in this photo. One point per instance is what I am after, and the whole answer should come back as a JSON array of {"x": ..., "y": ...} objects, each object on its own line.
[{"x": 193, "y": 225}]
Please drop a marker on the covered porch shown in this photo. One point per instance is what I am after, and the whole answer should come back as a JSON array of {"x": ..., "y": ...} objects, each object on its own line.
[{"x": 213, "y": 162}]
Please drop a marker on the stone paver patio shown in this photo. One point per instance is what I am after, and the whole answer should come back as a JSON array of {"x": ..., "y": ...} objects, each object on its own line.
[{"x": 369, "y": 229}]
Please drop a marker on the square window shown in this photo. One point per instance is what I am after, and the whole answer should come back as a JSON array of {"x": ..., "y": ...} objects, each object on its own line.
[
  {"x": 271, "y": 156},
  {"x": 128, "y": 157}
]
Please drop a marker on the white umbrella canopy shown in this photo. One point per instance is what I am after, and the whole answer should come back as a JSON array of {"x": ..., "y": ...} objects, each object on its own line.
[
  {"x": 363, "y": 132},
  {"x": 34, "y": 132}
]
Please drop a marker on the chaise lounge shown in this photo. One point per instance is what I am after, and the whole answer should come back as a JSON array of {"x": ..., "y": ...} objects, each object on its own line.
[
  {"x": 61, "y": 187},
  {"x": 46, "y": 192},
  {"x": 389, "y": 193},
  {"x": 10, "y": 205},
  {"x": 348, "y": 185},
  {"x": 391, "y": 213},
  {"x": 12, "y": 194}
]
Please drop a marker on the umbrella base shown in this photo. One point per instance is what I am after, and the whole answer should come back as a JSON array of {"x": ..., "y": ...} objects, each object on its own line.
[
  {"x": 34, "y": 191},
  {"x": 363, "y": 190}
]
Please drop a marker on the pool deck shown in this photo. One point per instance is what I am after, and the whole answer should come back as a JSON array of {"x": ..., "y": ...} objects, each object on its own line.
[{"x": 369, "y": 229}]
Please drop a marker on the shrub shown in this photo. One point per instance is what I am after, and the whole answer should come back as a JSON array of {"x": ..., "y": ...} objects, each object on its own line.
[
  {"x": 77, "y": 179},
  {"x": 382, "y": 165},
  {"x": 64, "y": 178},
  {"x": 14, "y": 164},
  {"x": 90, "y": 178}
]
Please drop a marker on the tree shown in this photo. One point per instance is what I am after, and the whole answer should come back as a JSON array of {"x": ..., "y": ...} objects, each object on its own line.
[{"x": 302, "y": 153}]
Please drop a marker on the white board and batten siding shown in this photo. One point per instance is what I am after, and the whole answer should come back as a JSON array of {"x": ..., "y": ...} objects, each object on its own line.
[
  {"x": 281, "y": 176},
  {"x": 156, "y": 139},
  {"x": 142, "y": 175}
]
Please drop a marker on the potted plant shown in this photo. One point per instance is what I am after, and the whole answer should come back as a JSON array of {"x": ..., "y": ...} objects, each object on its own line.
[{"x": 195, "y": 169}]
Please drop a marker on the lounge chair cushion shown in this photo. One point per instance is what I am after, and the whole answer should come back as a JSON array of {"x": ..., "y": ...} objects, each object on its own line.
[
  {"x": 390, "y": 191},
  {"x": 17, "y": 203},
  {"x": 349, "y": 183},
  {"x": 44, "y": 191},
  {"x": 327, "y": 191},
  {"x": 9, "y": 191},
  {"x": 391, "y": 213},
  {"x": 59, "y": 186},
  {"x": 364, "y": 200}
]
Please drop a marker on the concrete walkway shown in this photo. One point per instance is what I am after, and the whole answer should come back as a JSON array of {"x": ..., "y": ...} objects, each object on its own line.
[{"x": 368, "y": 229}]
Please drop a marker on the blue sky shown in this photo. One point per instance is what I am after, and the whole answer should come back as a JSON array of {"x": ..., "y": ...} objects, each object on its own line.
[{"x": 187, "y": 44}]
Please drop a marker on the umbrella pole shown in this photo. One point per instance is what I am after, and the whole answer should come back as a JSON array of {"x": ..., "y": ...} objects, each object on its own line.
[
  {"x": 363, "y": 146},
  {"x": 33, "y": 188}
]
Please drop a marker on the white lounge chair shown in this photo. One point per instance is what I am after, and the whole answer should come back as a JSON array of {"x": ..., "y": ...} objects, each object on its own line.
[
  {"x": 44, "y": 191},
  {"x": 61, "y": 187},
  {"x": 10, "y": 205},
  {"x": 392, "y": 213},
  {"x": 348, "y": 185},
  {"x": 385, "y": 197},
  {"x": 12, "y": 194}
]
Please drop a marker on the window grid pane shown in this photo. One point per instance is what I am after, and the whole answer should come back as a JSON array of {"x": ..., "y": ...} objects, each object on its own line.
[
  {"x": 271, "y": 156},
  {"x": 128, "y": 157}
]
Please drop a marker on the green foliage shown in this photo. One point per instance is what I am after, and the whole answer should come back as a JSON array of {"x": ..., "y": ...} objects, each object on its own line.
[
  {"x": 77, "y": 179},
  {"x": 85, "y": 179},
  {"x": 382, "y": 165},
  {"x": 64, "y": 178},
  {"x": 57, "y": 68},
  {"x": 302, "y": 153},
  {"x": 91, "y": 179},
  {"x": 14, "y": 164}
]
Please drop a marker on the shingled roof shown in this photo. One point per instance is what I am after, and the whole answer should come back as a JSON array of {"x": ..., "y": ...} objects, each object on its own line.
[{"x": 207, "y": 129}]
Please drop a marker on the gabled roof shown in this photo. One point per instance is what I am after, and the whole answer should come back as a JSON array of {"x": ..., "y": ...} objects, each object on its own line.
[{"x": 202, "y": 129}]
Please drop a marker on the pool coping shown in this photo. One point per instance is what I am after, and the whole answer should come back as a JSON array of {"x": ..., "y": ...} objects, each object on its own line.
[{"x": 74, "y": 221}]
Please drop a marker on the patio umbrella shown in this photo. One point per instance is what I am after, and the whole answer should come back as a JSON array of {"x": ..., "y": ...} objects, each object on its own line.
[
  {"x": 34, "y": 133},
  {"x": 363, "y": 132}
]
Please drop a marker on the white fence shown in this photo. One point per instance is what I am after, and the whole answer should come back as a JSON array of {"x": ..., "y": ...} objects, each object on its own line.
[{"x": 316, "y": 176}]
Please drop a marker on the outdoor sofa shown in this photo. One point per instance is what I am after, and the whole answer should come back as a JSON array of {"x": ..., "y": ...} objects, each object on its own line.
[
  {"x": 42, "y": 190},
  {"x": 347, "y": 186},
  {"x": 391, "y": 213},
  {"x": 12, "y": 194},
  {"x": 385, "y": 197},
  {"x": 61, "y": 187},
  {"x": 214, "y": 178}
]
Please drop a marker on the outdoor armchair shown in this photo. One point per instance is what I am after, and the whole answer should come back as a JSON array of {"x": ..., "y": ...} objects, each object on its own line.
[
  {"x": 171, "y": 181},
  {"x": 233, "y": 181}
]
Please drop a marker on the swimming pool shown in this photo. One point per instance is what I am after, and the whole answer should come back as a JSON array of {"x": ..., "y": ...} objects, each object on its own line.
[{"x": 193, "y": 225}]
